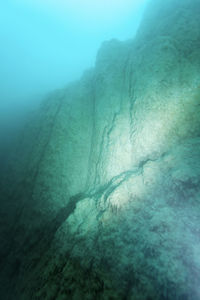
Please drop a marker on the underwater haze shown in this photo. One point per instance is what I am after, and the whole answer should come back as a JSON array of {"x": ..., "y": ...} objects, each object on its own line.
[{"x": 46, "y": 44}]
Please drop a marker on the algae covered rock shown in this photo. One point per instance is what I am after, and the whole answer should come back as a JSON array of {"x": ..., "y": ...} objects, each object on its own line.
[{"x": 101, "y": 197}]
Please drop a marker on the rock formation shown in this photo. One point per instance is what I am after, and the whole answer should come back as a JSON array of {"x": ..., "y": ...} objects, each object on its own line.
[{"x": 100, "y": 198}]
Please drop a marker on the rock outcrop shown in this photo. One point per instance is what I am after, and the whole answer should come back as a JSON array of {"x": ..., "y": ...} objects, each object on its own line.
[{"x": 101, "y": 195}]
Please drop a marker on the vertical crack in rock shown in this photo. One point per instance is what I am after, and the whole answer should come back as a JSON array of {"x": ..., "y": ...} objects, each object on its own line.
[
  {"x": 99, "y": 158},
  {"x": 46, "y": 145},
  {"x": 92, "y": 140}
]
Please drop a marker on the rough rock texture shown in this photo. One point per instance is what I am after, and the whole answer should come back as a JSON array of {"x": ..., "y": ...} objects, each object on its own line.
[{"x": 101, "y": 195}]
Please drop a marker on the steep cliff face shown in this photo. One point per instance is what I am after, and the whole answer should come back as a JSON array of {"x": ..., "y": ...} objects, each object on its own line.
[{"x": 101, "y": 199}]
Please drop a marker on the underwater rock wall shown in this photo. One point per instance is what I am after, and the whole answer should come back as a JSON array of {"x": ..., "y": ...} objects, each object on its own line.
[{"x": 101, "y": 195}]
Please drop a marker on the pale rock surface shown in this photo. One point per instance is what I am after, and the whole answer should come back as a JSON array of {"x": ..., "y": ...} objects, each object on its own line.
[{"x": 101, "y": 199}]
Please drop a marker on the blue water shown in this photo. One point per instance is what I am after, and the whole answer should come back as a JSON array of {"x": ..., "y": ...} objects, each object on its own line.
[{"x": 46, "y": 44}]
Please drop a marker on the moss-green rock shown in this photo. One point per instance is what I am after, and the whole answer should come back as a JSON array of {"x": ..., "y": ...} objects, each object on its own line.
[{"x": 101, "y": 197}]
